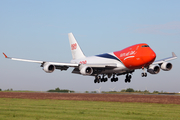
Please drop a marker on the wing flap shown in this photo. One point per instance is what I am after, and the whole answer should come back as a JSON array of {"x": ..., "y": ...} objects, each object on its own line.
[{"x": 61, "y": 67}]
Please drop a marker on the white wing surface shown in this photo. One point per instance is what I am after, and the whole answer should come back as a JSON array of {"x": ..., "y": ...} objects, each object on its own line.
[
  {"x": 42, "y": 62},
  {"x": 166, "y": 59},
  {"x": 110, "y": 65}
]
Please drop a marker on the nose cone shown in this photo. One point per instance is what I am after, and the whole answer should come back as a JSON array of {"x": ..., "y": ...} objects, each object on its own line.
[
  {"x": 152, "y": 56},
  {"x": 148, "y": 57}
]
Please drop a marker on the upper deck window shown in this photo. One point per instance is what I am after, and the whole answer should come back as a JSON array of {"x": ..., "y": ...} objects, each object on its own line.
[{"x": 145, "y": 46}]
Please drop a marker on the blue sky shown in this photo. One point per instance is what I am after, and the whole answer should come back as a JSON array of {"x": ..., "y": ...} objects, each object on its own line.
[{"x": 38, "y": 30}]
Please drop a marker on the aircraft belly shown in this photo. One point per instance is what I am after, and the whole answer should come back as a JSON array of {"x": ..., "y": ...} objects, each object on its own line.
[
  {"x": 121, "y": 68},
  {"x": 115, "y": 70}
]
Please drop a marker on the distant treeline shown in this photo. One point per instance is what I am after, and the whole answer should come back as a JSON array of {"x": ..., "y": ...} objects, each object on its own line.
[
  {"x": 128, "y": 90},
  {"x": 131, "y": 90},
  {"x": 6, "y": 90},
  {"x": 59, "y": 90}
]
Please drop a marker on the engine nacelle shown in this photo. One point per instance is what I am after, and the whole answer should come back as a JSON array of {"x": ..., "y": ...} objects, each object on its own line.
[
  {"x": 48, "y": 68},
  {"x": 85, "y": 70},
  {"x": 153, "y": 69},
  {"x": 166, "y": 66}
]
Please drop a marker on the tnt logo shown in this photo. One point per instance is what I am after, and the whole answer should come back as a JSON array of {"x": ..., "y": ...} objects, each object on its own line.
[
  {"x": 83, "y": 62},
  {"x": 73, "y": 46}
]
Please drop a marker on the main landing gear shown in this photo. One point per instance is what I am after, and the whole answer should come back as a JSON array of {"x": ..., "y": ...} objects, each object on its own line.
[
  {"x": 113, "y": 79},
  {"x": 98, "y": 79},
  {"x": 128, "y": 78}
]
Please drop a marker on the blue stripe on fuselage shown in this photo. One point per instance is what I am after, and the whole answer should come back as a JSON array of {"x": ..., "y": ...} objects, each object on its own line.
[{"x": 106, "y": 55}]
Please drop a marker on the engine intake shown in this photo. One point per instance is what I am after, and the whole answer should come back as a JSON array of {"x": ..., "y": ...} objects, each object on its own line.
[
  {"x": 153, "y": 69},
  {"x": 85, "y": 70},
  {"x": 48, "y": 68},
  {"x": 166, "y": 66}
]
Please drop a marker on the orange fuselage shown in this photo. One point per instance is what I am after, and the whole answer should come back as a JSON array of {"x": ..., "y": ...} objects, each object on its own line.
[{"x": 136, "y": 56}]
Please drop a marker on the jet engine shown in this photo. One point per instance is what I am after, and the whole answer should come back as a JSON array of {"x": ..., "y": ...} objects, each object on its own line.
[
  {"x": 85, "y": 70},
  {"x": 48, "y": 68},
  {"x": 166, "y": 66},
  {"x": 153, "y": 69}
]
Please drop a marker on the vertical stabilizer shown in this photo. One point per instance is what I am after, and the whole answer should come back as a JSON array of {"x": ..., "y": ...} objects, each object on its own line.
[{"x": 75, "y": 49}]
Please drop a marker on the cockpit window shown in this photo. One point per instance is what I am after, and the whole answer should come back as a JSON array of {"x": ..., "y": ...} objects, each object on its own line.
[{"x": 145, "y": 46}]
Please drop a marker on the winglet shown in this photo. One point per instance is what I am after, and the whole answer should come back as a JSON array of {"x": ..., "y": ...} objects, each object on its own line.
[
  {"x": 5, "y": 55},
  {"x": 173, "y": 54}
]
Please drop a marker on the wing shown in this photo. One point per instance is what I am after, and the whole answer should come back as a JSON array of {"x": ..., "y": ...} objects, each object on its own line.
[
  {"x": 25, "y": 60},
  {"x": 58, "y": 65},
  {"x": 166, "y": 59},
  {"x": 64, "y": 66}
]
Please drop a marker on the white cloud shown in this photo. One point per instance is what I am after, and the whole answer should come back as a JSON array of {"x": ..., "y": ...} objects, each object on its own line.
[{"x": 171, "y": 28}]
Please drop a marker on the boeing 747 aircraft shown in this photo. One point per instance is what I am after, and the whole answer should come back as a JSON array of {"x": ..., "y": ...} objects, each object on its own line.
[{"x": 109, "y": 65}]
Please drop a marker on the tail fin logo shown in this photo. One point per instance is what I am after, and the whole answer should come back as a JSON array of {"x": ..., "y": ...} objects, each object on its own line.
[{"x": 73, "y": 46}]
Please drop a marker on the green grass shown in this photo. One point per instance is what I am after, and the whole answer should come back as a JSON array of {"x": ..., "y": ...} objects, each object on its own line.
[{"x": 28, "y": 109}]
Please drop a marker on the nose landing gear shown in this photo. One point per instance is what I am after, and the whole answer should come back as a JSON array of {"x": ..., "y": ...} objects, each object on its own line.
[{"x": 144, "y": 74}]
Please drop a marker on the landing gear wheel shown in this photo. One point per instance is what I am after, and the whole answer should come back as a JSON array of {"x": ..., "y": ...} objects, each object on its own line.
[
  {"x": 95, "y": 81},
  {"x": 128, "y": 78},
  {"x": 116, "y": 79},
  {"x": 144, "y": 74},
  {"x": 98, "y": 81},
  {"x": 105, "y": 79}
]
